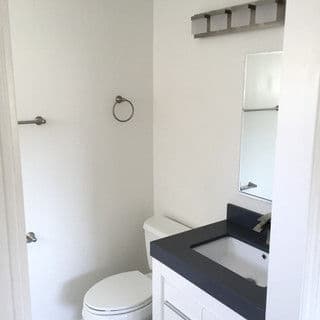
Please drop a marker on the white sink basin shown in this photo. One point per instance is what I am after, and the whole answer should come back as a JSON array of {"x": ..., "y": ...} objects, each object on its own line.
[{"x": 239, "y": 257}]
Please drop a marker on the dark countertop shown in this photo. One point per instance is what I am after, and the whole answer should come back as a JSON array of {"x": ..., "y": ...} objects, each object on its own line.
[{"x": 239, "y": 294}]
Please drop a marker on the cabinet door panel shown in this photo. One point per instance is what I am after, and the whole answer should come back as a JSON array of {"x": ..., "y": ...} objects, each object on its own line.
[
  {"x": 182, "y": 301},
  {"x": 172, "y": 313},
  {"x": 168, "y": 314},
  {"x": 220, "y": 315},
  {"x": 207, "y": 315}
]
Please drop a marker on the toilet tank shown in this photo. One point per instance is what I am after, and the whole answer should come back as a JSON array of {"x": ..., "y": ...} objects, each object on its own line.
[{"x": 158, "y": 227}]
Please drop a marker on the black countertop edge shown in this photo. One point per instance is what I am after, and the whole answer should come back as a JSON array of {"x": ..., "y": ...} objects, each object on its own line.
[{"x": 237, "y": 293}]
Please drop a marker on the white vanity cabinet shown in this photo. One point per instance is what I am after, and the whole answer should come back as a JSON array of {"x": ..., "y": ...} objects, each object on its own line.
[{"x": 175, "y": 298}]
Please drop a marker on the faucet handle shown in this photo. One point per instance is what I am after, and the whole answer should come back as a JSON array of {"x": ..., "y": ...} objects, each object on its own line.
[
  {"x": 265, "y": 217},
  {"x": 263, "y": 222}
]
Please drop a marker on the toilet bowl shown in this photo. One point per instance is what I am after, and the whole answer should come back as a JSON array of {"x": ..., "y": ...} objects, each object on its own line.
[
  {"x": 122, "y": 296},
  {"x": 127, "y": 296}
]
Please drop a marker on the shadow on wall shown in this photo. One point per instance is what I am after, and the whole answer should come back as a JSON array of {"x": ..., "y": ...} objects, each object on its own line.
[{"x": 73, "y": 291}]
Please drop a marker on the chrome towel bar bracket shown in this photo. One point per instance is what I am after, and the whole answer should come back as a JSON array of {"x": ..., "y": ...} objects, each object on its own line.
[
  {"x": 120, "y": 99},
  {"x": 37, "y": 120},
  {"x": 250, "y": 185},
  {"x": 276, "y": 108}
]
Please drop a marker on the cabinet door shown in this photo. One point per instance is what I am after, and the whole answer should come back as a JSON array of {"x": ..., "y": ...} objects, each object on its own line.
[
  {"x": 207, "y": 315},
  {"x": 220, "y": 315},
  {"x": 172, "y": 313},
  {"x": 169, "y": 314}
]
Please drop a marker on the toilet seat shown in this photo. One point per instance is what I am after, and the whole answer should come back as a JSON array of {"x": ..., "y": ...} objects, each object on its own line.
[{"x": 119, "y": 294}]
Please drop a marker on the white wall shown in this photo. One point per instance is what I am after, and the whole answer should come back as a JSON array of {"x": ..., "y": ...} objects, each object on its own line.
[
  {"x": 87, "y": 179},
  {"x": 198, "y": 94},
  {"x": 295, "y": 226}
]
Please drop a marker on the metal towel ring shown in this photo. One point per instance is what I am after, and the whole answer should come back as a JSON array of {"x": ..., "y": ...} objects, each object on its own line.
[{"x": 120, "y": 99}]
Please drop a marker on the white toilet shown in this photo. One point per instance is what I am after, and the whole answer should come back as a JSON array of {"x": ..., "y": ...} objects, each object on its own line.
[{"x": 128, "y": 295}]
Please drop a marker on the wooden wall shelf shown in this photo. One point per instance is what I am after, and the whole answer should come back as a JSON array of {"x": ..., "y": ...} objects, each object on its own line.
[{"x": 253, "y": 22}]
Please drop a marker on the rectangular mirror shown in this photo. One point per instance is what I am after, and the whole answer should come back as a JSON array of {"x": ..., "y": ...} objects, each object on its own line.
[{"x": 259, "y": 123}]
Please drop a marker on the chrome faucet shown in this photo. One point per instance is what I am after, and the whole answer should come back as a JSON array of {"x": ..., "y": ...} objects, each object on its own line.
[{"x": 264, "y": 222}]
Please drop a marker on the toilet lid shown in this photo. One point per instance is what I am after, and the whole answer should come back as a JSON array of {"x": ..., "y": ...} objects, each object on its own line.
[{"x": 120, "y": 292}]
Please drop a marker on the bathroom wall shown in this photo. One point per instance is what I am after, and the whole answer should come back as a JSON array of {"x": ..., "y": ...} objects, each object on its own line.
[
  {"x": 198, "y": 94},
  {"x": 87, "y": 178}
]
